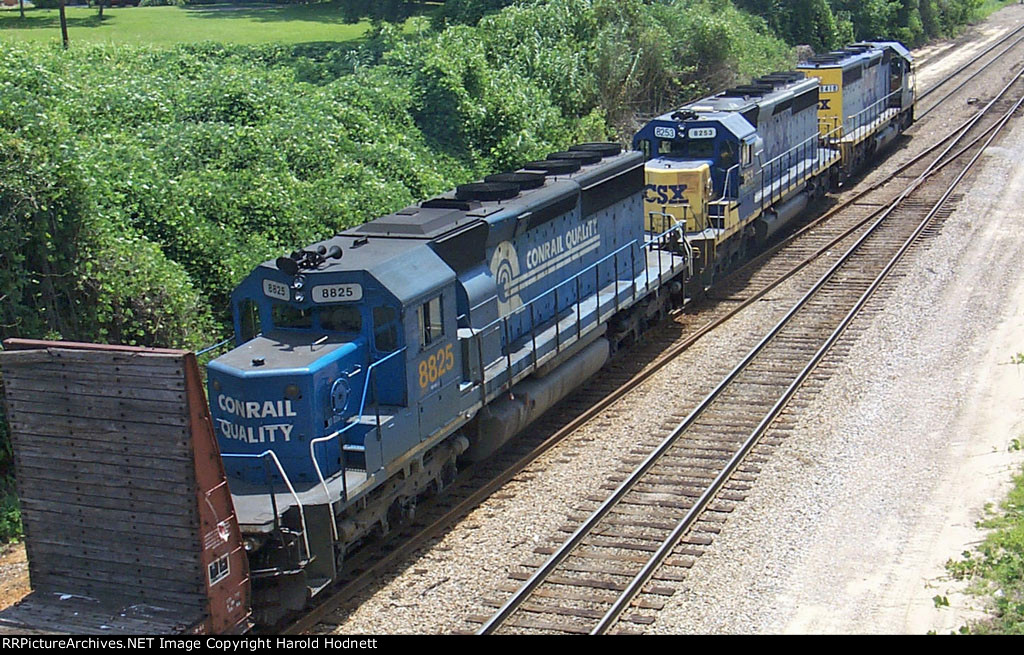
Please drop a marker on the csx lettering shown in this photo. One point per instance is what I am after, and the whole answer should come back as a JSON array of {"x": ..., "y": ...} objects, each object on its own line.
[
  {"x": 432, "y": 368},
  {"x": 659, "y": 193},
  {"x": 823, "y": 103}
]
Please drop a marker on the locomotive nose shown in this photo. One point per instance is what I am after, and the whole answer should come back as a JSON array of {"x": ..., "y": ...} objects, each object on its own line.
[{"x": 259, "y": 403}]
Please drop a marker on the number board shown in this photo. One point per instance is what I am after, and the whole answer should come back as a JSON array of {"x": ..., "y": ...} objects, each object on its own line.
[
  {"x": 665, "y": 132},
  {"x": 277, "y": 290},
  {"x": 702, "y": 133},
  {"x": 337, "y": 293},
  {"x": 829, "y": 88},
  {"x": 432, "y": 368}
]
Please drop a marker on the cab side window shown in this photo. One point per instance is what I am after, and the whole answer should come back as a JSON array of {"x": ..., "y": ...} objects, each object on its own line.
[
  {"x": 385, "y": 329},
  {"x": 430, "y": 321},
  {"x": 645, "y": 147},
  {"x": 249, "y": 318}
]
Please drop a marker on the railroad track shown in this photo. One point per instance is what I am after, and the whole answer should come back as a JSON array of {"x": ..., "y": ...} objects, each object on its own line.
[
  {"x": 597, "y": 578},
  {"x": 748, "y": 284},
  {"x": 953, "y": 75}
]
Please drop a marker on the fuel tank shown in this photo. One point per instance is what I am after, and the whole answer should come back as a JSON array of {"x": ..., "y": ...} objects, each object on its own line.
[{"x": 503, "y": 419}]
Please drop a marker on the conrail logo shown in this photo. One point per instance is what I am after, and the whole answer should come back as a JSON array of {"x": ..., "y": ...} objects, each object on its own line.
[
  {"x": 665, "y": 194},
  {"x": 505, "y": 268},
  {"x": 266, "y": 433},
  {"x": 560, "y": 250}
]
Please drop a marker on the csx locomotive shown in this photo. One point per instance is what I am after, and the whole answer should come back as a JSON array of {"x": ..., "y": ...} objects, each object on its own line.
[{"x": 369, "y": 365}]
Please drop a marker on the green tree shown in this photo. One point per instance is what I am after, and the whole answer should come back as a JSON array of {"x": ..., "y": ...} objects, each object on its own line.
[
  {"x": 868, "y": 19},
  {"x": 798, "y": 21}
]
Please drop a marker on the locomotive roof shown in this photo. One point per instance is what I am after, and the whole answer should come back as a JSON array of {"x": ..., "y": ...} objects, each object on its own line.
[
  {"x": 731, "y": 120},
  {"x": 896, "y": 46},
  {"x": 857, "y": 54},
  {"x": 420, "y": 248},
  {"x": 407, "y": 268},
  {"x": 763, "y": 92}
]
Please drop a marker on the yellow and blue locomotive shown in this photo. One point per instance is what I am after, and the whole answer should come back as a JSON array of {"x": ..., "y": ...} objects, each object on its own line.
[{"x": 738, "y": 165}]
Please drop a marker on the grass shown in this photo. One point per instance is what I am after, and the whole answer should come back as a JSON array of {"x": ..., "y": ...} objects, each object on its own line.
[
  {"x": 996, "y": 569},
  {"x": 992, "y": 6},
  {"x": 224, "y": 23}
]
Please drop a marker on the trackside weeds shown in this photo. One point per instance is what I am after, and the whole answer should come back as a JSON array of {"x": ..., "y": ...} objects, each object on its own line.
[{"x": 996, "y": 568}]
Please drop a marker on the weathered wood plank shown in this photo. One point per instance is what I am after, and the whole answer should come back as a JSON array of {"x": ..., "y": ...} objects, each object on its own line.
[
  {"x": 76, "y": 404},
  {"x": 32, "y": 422},
  {"x": 28, "y": 389},
  {"x": 147, "y": 583},
  {"x": 112, "y": 561},
  {"x": 72, "y": 444},
  {"x": 93, "y": 357},
  {"x": 171, "y": 599},
  {"x": 54, "y": 614},
  {"x": 142, "y": 435},
  {"x": 108, "y": 515},
  {"x": 155, "y": 471},
  {"x": 132, "y": 541},
  {"x": 537, "y": 624},
  {"x": 122, "y": 464},
  {"x": 131, "y": 411},
  {"x": 76, "y": 369},
  {"x": 96, "y": 377},
  {"x": 53, "y": 521},
  {"x": 100, "y": 498},
  {"x": 572, "y": 582},
  {"x": 115, "y": 485}
]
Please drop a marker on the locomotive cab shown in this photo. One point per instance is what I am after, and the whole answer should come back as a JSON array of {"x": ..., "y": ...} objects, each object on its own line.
[
  {"x": 697, "y": 166},
  {"x": 301, "y": 359},
  {"x": 341, "y": 367}
]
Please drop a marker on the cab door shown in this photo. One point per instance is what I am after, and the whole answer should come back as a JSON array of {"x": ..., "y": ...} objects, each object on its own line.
[{"x": 437, "y": 364}]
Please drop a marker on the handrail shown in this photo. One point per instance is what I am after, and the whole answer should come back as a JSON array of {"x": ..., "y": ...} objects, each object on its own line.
[
  {"x": 632, "y": 246},
  {"x": 725, "y": 187},
  {"x": 288, "y": 483},
  {"x": 653, "y": 241},
  {"x": 215, "y": 346},
  {"x": 338, "y": 433},
  {"x": 853, "y": 117}
]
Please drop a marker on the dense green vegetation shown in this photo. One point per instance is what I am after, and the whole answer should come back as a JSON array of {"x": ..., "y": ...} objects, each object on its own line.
[
  {"x": 139, "y": 183},
  {"x": 997, "y": 566},
  {"x": 826, "y": 24}
]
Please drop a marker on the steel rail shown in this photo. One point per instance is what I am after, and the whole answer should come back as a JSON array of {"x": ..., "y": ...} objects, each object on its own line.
[
  {"x": 372, "y": 573},
  {"x": 971, "y": 77},
  {"x": 935, "y": 87},
  {"x": 635, "y": 585},
  {"x": 560, "y": 554}
]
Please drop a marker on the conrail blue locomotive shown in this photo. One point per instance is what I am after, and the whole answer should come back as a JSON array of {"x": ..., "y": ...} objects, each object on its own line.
[
  {"x": 367, "y": 366},
  {"x": 368, "y": 363}
]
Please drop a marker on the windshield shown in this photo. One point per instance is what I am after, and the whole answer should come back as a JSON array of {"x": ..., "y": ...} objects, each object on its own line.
[
  {"x": 691, "y": 148},
  {"x": 345, "y": 318}
]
